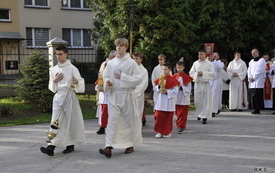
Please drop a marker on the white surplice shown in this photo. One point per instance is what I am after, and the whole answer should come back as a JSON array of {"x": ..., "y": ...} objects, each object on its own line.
[
  {"x": 140, "y": 89},
  {"x": 102, "y": 99},
  {"x": 202, "y": 90},
  {"x": 166, "y": 102},
  {"x": 237, "y": 85},
  {"x": 156, "y": 73},
  {"x": 124, "y": 124},
  {"x": 66, "y": 106},
  {"x": 256, "y": 70}
]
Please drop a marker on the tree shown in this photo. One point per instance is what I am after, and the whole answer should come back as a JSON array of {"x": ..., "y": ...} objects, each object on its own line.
[
  {"x": 181, "y": 27},
  {"x": 33, "y": 87}
]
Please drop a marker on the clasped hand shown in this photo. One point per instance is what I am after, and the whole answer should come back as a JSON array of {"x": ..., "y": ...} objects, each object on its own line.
[
  {"x": 117, "y": 75},
  {"x": 58, "y": 77}
]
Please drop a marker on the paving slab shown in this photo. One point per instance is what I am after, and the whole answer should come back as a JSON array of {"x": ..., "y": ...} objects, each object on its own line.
[{"x": 232, "y": 142}]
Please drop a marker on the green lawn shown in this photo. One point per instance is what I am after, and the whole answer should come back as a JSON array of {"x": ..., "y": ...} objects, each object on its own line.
[
  {"x": 15, "y": 112},
  {"x": 19, "y": 113}
]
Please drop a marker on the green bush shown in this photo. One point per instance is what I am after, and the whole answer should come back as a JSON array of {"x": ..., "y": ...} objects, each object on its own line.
[
  {"x": 5, "y": 111},
  {"x": 33, "y": 87}
]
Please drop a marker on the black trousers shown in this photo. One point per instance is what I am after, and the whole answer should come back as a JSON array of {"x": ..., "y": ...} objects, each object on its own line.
[
  {"x": 273, "y": 96},
  {"x": 257, "y": 98}
]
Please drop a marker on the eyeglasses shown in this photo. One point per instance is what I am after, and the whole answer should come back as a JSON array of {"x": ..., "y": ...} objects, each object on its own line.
[{"x": 59, "y": 54}]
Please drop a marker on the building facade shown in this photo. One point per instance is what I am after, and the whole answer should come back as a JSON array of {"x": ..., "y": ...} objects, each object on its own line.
[{"x": 26, "y": 26}]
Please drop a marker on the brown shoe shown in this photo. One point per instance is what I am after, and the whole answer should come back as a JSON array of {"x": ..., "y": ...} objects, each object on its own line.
[
  {"x": 129, "y": 150},
  {"x": 106, "y": 151}
]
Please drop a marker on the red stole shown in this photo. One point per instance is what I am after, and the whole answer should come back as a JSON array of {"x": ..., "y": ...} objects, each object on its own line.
[
  {"x": 185, "y": 77},
  {"x": 267, "y": 85},
  {"x": 171, "y": 82}
]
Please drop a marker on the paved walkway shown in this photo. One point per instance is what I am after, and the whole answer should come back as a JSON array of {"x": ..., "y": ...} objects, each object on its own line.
[{"x": 230, "y": 143}]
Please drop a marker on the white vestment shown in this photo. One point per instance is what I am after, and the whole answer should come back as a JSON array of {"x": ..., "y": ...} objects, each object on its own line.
[
  {"x": 237, "y": 85},
  {"x": 256, "y": 70},
  {"x": 124, "y": 124},
  {"x": 273, "y": 76},
  {"x": 102, "y": 99},
  {"x": 66, "y": 106},
  {"x": 202, "y": 90},
  {"x": 140, "y": 89},
  {"x": 216, "y": 85},
  {"x": 166, "y": 102},
  {"x": 156, "y": 73},
  {"x": 183, "y": 95}
]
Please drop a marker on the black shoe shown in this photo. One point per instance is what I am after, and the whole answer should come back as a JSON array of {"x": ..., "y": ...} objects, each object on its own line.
[
  {"x": 101, "y": 131},
  {"x": 48, "y": 150},
  {"x": 219, "y": 111},
  {"x": 204, "y": 121},
  {"x": 240, "y": 110},
  {"x": 69, "y": 149},
  {"x": 255, "y": 112},
  {"x": 144, "y": 123},
  {"x": 273, "y": 113},
  {"x": 198, "y": 118},
  {"x": 233, "y": 110},
  {"x": 213, "y": 114}
]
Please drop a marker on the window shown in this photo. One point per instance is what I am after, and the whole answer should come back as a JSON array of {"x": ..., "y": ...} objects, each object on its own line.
[
  {"x": 76, "y": 4},
  {"x": 43, "y": 3},
  {"x": 5, "y": 15},
  {"x": 77, "y": 37},
  {"x": 37, "y": 37}
]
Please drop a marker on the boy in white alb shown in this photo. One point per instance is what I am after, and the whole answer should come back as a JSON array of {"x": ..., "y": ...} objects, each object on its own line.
[
  {"x": 165, "y": 104},
  {"x": 140, "y": 89},
  {"x": 183, "y": 97}
]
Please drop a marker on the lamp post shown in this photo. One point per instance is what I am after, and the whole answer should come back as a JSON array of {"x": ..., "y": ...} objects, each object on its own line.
[{"x": 131, "y": 18}]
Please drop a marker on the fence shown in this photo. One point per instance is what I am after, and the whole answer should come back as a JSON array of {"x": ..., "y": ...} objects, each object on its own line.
[{"x": 86, "y": 60}]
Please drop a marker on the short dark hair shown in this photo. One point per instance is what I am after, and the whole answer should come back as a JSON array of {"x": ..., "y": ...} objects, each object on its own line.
[
  {"x": 237, "y": 52},
  {"x": 180, "y": 63},
  {"x": 138, "y": 54},
  {"x": 63, "y": 48},
  {"x": 202, "y": 50},
  {"x": 167, "y": 64}
]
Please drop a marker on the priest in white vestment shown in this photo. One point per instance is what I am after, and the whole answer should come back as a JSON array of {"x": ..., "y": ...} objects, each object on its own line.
[
  {"x": 65, "y": 80},
  {"x": 121, "y": 76},
  {"x": 202, "y": 72},
  {"x": 237, "y": 71}
]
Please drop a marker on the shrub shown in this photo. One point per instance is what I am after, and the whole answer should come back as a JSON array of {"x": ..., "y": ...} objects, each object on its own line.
[
  {"x": 5, "y": 111},
  {"x": 33, "y": 87}
]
